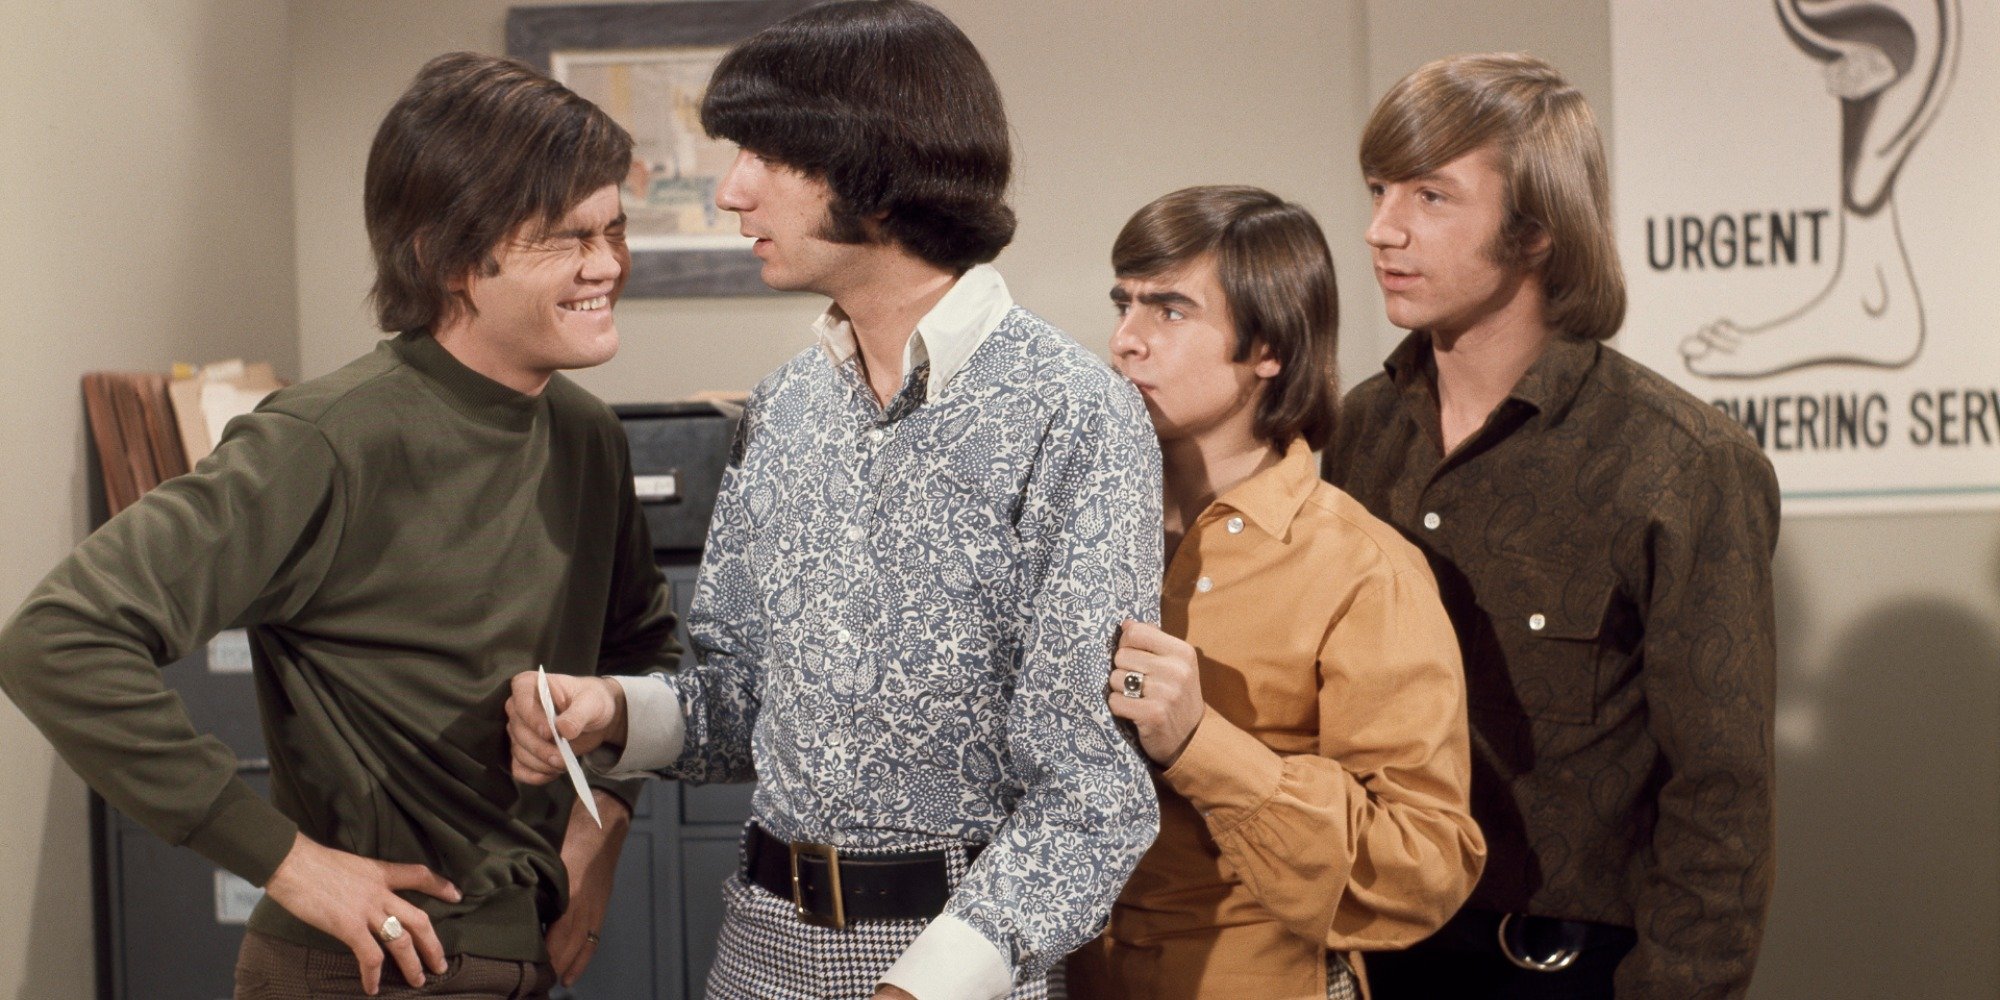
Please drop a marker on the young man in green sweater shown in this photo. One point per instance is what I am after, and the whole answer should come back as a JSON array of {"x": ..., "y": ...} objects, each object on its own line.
[{"x": 399, "y": 537}]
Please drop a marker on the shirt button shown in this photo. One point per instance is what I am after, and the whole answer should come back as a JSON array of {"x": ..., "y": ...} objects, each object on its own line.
[
  {"x": 1204, "y": 585},
  {"x": 844, "y": 637},
  {"x": 1432, "y": 520},
  {"x": 855, "y": 534},
  {"x": 1235, "y": 525},
  {"x": 1537, "y": 622},
  {"x": 875, "y": 436}
]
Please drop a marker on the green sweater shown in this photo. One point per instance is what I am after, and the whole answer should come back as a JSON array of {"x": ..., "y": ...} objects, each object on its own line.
[{"x": 400, "y": 538}]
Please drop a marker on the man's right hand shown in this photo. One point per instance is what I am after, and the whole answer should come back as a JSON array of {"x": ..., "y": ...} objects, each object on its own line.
[
  {"x": 590, "y": 712},
  {"x": 349, "y": 896}
]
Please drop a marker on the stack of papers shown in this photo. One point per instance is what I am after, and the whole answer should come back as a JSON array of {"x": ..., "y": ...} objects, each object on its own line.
[
  {"x": 147, "y": 428},
  {"x": 132, "y": 425}
]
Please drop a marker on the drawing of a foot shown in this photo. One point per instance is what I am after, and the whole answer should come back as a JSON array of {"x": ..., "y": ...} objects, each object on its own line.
[
  {"x": 1870, "y": 314},
  {"x": 1889, "y": 63}
]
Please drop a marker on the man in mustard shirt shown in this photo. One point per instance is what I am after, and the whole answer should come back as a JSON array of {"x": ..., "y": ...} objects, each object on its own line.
[{"x": 1302, "y": 701}]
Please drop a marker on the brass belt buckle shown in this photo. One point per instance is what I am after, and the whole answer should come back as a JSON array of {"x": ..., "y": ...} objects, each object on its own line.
[
  {"x": 1562, "y": 957},
  {"x": 832, "y": 855}
]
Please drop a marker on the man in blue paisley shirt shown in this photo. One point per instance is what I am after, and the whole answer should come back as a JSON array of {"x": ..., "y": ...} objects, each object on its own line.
[{"x": 932, "y": 525}]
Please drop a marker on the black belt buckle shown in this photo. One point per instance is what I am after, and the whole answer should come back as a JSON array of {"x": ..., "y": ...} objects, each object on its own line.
[
  {"x": 1555, "y": 944},
  {"x": 838, "y": 919}
]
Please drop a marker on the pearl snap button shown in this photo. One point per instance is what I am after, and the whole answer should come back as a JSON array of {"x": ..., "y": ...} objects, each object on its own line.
[
  {"x": 876, "y": 435},
  {"x": 855, "y": 534},
  {"x": 1204, "y": 585},
  {"x": 1432, "y": 520},
  {"x": 843, "y": 637},
  {"x": 1536, "y": 622},
  {"x": 1235, "y": 525}
]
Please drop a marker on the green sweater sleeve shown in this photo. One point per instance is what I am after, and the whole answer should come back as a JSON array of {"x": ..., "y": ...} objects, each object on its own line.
[{"x": 246, "y": 536}]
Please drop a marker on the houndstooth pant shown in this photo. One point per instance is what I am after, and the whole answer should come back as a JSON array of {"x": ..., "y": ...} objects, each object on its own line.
[
  {"x": 1340, "y": 981},
  {"x": 765, "y": 952}
]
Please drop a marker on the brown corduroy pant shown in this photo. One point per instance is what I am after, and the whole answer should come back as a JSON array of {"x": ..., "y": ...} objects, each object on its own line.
[{"x": 270, "y": 969}]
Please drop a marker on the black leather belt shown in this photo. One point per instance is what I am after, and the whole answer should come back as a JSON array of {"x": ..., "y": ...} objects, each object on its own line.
[{"x": 833, "y": 888}]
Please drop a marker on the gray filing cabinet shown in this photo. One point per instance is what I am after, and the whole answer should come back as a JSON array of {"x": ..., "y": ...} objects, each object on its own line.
[{"x": 169, "y": 923}]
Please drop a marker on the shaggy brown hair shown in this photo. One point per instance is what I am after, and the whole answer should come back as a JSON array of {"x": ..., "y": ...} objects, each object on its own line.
[
  {"x": 1274, "y": 267},
  {"x": 475, "y": 148},
  {"x": 1548, "y": 150},
  {"x": 889, "y": 104}
]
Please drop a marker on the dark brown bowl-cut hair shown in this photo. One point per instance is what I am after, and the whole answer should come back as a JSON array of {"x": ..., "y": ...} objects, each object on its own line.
[
  {"x": 1550, "y": 154},
  {"x": 889, "y": 104},
  {"x": 1273, "y": 264},
  {"x": 475, "y": 148}
]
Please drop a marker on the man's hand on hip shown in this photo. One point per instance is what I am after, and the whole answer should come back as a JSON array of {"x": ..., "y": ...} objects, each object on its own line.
[
  {"x": 354, "y": 898},
  {"x": 590, "y": 711}
]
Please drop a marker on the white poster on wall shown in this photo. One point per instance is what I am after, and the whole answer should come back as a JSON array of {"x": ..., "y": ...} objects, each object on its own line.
[{"x": 1808, "y": 198}]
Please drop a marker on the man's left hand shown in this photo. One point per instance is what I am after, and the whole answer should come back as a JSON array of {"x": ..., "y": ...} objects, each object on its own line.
[
  {"x": 1169, "y": 707},
  {"x": 591, "y": 857}
]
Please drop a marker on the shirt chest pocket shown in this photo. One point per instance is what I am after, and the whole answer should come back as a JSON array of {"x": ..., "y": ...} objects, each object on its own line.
[{"x": 1540, "y": 647}]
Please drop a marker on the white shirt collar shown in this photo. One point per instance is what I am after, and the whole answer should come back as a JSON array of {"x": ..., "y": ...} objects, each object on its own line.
[{"x": 946, "y": 337}]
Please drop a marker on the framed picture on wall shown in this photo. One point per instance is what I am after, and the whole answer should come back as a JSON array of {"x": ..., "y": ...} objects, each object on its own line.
[{"x": 647, "y": 65}]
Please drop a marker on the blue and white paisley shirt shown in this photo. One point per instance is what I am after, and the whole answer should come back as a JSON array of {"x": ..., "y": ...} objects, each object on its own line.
[{"x": 906, "y": 615}]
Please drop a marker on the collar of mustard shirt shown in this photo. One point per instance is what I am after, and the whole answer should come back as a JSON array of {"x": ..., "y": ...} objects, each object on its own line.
[
  {"x": 946, "y": 337},
  {"x": 1271, "y": 499}
]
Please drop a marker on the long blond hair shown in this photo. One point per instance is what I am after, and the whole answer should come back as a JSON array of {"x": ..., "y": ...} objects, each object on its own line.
[{"x": 1550, "y": 153}]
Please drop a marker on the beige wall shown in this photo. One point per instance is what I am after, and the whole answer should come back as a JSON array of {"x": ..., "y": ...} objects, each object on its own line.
[
  {"x": 146, "y": 203},
  {"x": 1176, "y": 95},
  {"x": 182, "y": 180}
]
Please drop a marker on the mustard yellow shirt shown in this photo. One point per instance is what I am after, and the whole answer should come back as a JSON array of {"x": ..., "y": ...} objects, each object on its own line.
[{"x": 1322, "y": 801}]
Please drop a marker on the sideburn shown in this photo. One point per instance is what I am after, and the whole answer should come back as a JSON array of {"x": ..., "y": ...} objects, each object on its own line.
[
  {"x": 1513, "y": 246},
  {"x": 844, "y": 225}
]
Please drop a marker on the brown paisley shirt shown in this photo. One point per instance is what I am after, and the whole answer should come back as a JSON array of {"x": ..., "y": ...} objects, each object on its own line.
[{"x": 1603, "y": 545}]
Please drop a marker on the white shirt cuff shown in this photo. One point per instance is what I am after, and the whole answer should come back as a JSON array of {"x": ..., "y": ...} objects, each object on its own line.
[
  {"x": 655, "y": 728},
  {"x": 951, "y": 961}
]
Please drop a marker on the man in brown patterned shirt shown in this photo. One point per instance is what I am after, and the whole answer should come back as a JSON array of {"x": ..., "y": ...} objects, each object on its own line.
[{"x": 1603, "y": 544}]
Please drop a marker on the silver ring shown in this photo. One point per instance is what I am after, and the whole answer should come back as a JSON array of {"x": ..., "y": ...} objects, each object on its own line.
[
  {"x": 1558, "y": 960},
  {"x": 1134, "y": 685},
  {"x": 391, "y": 929}
]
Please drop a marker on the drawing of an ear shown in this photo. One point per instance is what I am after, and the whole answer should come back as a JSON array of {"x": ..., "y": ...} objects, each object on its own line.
[{"x": 1890, "y": 62}]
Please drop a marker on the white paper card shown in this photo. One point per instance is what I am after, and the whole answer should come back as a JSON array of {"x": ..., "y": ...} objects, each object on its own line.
[
  {"x": 229, "y": 652},
  {"x": 562, "y": 745},
  {"x": 234, "y": 899}
]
